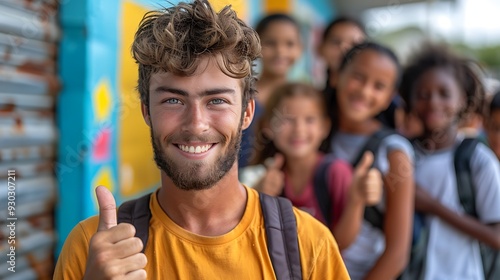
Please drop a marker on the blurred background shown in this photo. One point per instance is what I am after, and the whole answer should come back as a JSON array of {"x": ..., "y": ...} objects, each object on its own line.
[{"x": 70, "y": 116}]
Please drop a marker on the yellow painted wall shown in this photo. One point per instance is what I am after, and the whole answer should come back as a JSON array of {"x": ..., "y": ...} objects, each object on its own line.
[
  {"x": 277, "y": 6},
  {"x": 240, "y": 6},
  {"x": 138, "y": 172}
]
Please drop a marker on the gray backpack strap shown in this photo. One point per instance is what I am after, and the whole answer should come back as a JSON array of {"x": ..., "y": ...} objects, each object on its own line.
[
  {"x": 373, "y": 215},
  {"x": 467, "y": 195},
  {"x": 463, "y": 172},
  {"x": 282, "y": 240},
  {"x": 137, "y": 213}
]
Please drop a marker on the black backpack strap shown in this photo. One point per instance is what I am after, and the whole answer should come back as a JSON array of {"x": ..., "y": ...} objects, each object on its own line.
[
  {"x": 375, "y": 217},
  {"x": 467, "y": 197},
  {"x": 282, "y": 241},
  {"x": 137, "y": 213},
  {"x": 372, "y": 214},
  {"x": 321, "y": 190},
  {"x": 465, "y": 186},
  {"x": 373, "y": 143}
]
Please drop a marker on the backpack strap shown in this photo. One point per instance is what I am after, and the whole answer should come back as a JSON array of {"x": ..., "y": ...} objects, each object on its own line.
[
  {"x": 465, "y": 186},
  {"x": 373, "y": 143},
  {"x": 467, "y": 196},
  {"x": 321, "y": 190},
  {"x": 137, "y": 213},
  {"x": 372, "y": 214},
  {"x": 282, "y": 241}
]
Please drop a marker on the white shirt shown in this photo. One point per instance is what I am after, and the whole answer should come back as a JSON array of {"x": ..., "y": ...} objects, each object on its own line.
[{"x": 452, "y": 254}]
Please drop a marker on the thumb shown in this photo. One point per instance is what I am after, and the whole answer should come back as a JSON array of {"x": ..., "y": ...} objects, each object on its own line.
[
  {"x": 364, "y": 165},
  {"x": 278, "y": 162},
  {"x": 107, "y": 208}
]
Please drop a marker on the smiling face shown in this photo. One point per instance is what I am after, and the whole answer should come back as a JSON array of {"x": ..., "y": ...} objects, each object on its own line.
[
  {"x": 338, "y": 41},
  {"x": 196, "y": 124},
  {"x": 365, "y": 86},
  {"x": 281, "y": 47},
  {"x": 437, "y": 99},
  {"x": 299, "y": 126}
]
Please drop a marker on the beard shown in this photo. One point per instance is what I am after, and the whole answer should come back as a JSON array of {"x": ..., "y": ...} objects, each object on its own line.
[{"x": 190, "y": 176}]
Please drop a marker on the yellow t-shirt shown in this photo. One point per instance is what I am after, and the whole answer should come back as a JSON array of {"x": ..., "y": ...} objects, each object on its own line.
[{"x": 174, "y": 253}]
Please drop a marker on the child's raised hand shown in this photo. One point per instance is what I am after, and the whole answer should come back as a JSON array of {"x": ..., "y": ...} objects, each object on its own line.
[
  {"x": 367, "y": 181},
  {"x": 274, "y": 180}
]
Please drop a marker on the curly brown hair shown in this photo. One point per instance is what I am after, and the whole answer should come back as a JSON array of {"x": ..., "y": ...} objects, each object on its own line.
[{"x": 174, "y": 39}]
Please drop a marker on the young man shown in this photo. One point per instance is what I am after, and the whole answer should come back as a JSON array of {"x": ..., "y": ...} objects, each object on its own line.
[{"x": 196, "y": 87}]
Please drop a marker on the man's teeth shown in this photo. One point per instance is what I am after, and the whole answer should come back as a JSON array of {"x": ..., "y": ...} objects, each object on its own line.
[{"x": 193, "y": 149}]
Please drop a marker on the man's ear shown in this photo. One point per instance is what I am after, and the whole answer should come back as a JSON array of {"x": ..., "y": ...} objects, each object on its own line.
[
  {"x": 145, "y": 113},
  {"x": 248, "y": 114}
]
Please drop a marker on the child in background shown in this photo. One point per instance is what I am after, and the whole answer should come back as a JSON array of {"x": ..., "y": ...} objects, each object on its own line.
[
  {"x": 294, "y": 124},
  {"x": 281, "y": 48},
  {"x": 440, "y": 88},
  {"x": 471, "y": 123},
  {"x": 366, "y": 83},
  {"x": 338, "y": 37},
  {"x": 492, "y": 125}
]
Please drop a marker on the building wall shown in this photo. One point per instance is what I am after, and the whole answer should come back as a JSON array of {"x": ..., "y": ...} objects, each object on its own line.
[{"x": 28, "y": 87}]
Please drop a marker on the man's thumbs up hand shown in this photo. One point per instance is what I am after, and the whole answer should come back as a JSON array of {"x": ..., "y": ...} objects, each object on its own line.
[
  {"x": 107, "y": 208},
  {"x": 114, "y": 251}
]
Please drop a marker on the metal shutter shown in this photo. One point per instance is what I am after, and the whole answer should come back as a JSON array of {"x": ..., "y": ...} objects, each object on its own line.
[{"x": 28, "y": 86}]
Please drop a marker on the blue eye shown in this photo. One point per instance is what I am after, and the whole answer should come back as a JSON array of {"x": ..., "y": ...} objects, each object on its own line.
[
  {"x": 217, "y": 101},
  {"x": 172, "y": 101}
]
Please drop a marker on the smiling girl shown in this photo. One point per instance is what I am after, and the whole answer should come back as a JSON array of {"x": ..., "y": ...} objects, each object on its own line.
[{"x": 366, "y": 83}]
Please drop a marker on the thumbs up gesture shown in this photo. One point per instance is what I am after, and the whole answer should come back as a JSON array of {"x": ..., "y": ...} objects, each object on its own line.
[
  {"x": 367, "y": 182},
  {"x": 114, "y": 252},
  {"x": 274, "y": 180}
]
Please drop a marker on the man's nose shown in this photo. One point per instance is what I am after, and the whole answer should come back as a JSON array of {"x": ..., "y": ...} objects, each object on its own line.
[{"x": 195, "y": 119}]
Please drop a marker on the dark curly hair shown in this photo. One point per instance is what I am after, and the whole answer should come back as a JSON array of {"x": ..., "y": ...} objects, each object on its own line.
[
  {"x": 174, "y": 39},
  {"x": 464, "y": 70}
]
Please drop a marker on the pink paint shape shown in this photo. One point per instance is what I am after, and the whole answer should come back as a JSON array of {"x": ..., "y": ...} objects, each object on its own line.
[{"x": 102, "y": 142}]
